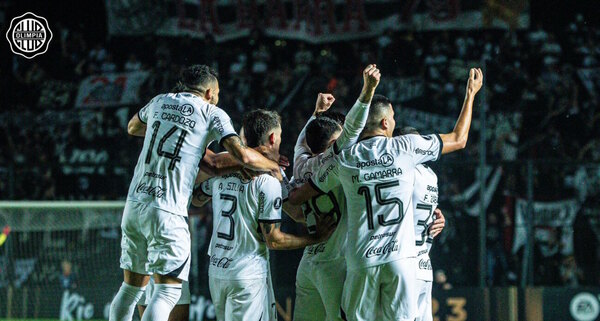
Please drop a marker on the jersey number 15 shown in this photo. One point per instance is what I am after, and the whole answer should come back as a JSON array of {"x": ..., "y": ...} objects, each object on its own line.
[{"x": 366, "y": 192}]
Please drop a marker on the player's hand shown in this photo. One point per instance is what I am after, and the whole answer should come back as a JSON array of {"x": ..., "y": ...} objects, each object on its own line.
[
  {"x": 475, "y": 81},
  {"x": 371, "y": 77},
  {"x": 284, "y": 162},
  {"x": 438, "y": 224},
  {"x": 277, "y": 174},
  {"x": 325, "y": 227},
  {"x": 6, "y": 230},
  {"x": 324, "y": 102}
]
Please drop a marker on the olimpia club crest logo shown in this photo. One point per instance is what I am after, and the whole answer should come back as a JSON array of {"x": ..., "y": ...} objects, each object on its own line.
[{"x": 29, "y": 35}]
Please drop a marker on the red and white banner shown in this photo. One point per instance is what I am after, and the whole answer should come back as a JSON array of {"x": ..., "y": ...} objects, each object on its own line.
[
  {"x": 315, "y": 21},
  {"x": 116, "y": 89}
]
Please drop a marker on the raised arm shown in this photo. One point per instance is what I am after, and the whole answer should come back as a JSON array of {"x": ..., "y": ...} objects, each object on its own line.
[
  {"x": 278, "y": 240},
  {"x": 457, "y": 139},
  {"x": 250, "y": 158},
  {"x": 358, "y": 114}
]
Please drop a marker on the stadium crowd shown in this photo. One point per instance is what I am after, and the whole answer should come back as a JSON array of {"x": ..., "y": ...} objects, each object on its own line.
[{"x": 55, "y": 151}]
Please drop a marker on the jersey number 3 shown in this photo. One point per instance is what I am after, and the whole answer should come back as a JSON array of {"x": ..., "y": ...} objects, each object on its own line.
[
  {"x": 366, "y": 192},
  {"x": 229, "y": 214}
]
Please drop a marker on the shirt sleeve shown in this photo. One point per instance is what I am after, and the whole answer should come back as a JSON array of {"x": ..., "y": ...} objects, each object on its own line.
[
  {"x": 269, "y": 199},
  {"x": 423, "y": 148},
  {"x": 302, "y": 152},
  {"x": 353, "y": 125},
  {"x": 143, "y": 113},
  {"x": 286, "y": 187},
  {"x": 327, "y": 178},
  {"x": 206, "y": 187},
  {"x": 221, "y": 126}
]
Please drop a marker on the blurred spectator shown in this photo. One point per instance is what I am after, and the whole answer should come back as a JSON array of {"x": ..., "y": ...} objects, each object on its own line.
[
  {"x": 68, "y": 279},
  {"x": 132, "y": 63}
]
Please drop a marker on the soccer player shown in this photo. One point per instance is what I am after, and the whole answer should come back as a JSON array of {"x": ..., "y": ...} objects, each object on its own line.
[
  {"x": 322, "y": 270},
  {"x": 424, "y": 203},
  {"x": 244, "y": 213},
  {"x": 377, "y": 176},
  {"x": 155, "y": 235}
]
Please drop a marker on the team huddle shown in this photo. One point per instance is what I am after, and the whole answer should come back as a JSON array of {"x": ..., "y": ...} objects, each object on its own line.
[{"x": 366, "y": 196}]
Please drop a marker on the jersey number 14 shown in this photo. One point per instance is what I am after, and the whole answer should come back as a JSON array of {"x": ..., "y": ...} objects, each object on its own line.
[{"x": 173, "y": 156}]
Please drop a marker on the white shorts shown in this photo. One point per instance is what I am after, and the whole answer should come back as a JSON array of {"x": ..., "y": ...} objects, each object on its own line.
[
  {"x": 154, "y": 241},
  {"x": 319, "y": 287},
  {"x": 388, "y": 290},
  {"x": 424, "y": 301},
  {"x": 184, "y": 299},
  {"x": 242, "y": 300}
]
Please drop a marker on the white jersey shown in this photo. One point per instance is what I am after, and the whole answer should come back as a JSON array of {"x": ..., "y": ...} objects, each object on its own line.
[
  {"x": 180, "y": 127},
  {"x": 237, "y": 250},
  {"x": 377, "y": 175},
  {"x": 333, "y": 203},
  {"x": 305, "y": 163},
  {"x": 425, "y": 201}
]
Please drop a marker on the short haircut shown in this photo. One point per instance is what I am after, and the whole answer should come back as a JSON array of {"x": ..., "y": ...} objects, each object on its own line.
[
  {"x": 335, "y": 115},
  {"x": 380, "y": 106},
  {"x": 319, "y": 132},
  {"x": 257, "y": 125},
  {"x": 198, "y": 77},
  {"x": 407, "y": 130}
]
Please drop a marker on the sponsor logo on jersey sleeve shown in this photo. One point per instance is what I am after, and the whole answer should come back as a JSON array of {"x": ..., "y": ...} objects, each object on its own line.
[
  {"x": 277, "y": 203},
  {"x": 424, "y": 152},
  {"x": 328, "y": 170},
  {"x": 261, "y": 202}
]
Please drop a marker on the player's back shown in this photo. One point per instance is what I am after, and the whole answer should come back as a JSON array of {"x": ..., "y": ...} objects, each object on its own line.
[
  {"x": 332, "y": 204},
  {"x": 179, "y": 128},
  {"x": 237, "y": 249},
  {"x": 377, "y": 175},
  {"x": 425, "y": 201}
]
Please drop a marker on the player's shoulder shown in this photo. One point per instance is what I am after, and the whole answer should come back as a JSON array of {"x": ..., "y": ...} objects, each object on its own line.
[{"x": 265, "y": 180}]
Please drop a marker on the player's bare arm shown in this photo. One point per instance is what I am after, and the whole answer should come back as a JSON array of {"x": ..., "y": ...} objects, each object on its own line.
[
  {"x": 136, "y": 127},
  {"x": 457, "y": 139},
  {"x": 278, "y": 240},
  {"x": 250, "y": 158},
  {"x": 199, "y": 199},
  {"x": 438, "y": 224},
  {"x": 293, "y": 211},
  {"x": 371, "y": 77},
  {"x": 303, "y": 194}
]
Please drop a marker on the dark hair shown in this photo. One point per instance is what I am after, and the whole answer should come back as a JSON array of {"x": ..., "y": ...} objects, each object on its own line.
[
  {"x": 335, "y": 115},
  {"x": 408, "y": 130},
  {"x": 379, "y": 107},
  {"x": 257, "y": 124},
  {"x": 319, "y": 132},
  {"x": 198, "y": 77}
]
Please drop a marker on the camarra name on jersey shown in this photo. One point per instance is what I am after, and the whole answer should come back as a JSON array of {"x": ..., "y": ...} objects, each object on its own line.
[
  {"x": 180, "y": 127},
  {"x": 237, "y": 250},
  {"x": 377, "y": 175},
  {"x": 425, "y": 201}
]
